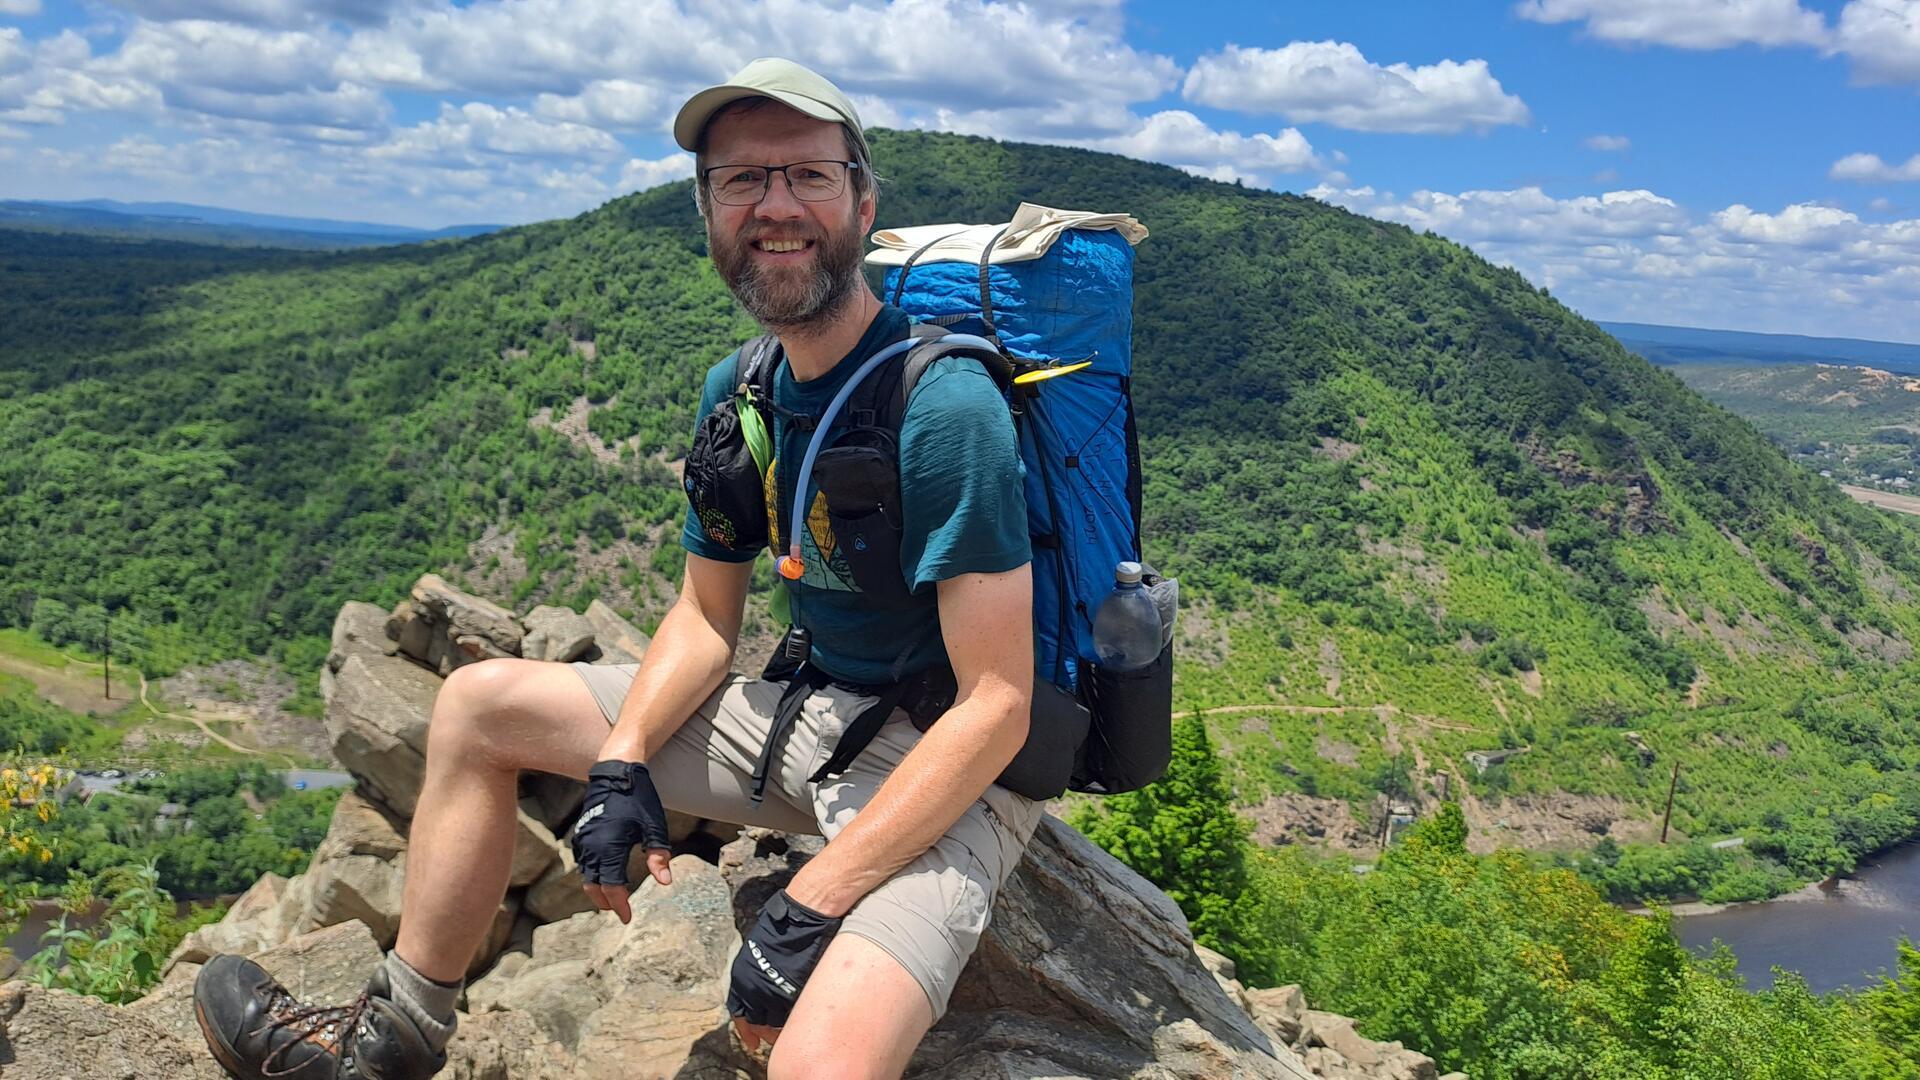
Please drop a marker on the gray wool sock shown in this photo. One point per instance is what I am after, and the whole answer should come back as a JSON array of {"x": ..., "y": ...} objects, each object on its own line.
[{"x": 427, "y": 1003}]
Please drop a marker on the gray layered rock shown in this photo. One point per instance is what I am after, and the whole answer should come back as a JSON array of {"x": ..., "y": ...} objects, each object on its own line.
[
  {"x": 329, "y": 966},
  {"x": 535, "y": 850},
  {"x": 1278, "y": 1010},
  {"x": 357, "y": 873},
  {"x": 378, "y": 722},
  {"x": 556, "y": 633},
  {"x": 359, "y": 630},
  {"x": 506, "y": 1046},
  {"x": 560, "y": 894},
  {"x": 252, "y": 923},
  {"x": 1330, "y": 1043},
  {"x": 647, "y": 995},
  {"x": 553, "y": 800},
  {"x": 620, "y": 641},
  {"x": 54, "y": 1035},
  {"x": 1085, "y": 971},
  {"x": 445, "y": 628}
]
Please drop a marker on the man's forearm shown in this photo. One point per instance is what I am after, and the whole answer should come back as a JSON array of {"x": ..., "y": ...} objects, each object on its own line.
[
  {"x": 686, "y": 662},
  {"x": 952, "y": 765}
]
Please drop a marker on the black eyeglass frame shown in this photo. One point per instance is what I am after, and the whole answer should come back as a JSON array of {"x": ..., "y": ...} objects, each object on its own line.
[{"x": 706, "y": 177}]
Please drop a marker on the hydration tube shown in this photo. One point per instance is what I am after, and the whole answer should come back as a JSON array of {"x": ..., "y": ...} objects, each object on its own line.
[{"x": 790, "y": 565}]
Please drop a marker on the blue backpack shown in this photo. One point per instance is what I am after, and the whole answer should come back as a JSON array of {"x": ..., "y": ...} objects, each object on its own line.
[
  {"x": 1077, "y": 435},
  {"x": 1063, "y": 328}
]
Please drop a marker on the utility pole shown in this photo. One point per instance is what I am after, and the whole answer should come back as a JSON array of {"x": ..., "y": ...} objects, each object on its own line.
[
  {"x": 1668, "y": 818},
  {"x": 106, "y": 653}
]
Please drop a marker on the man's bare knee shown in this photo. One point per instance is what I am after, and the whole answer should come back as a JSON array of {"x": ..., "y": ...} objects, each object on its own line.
[
  {"x": 510, "y": 713},
  {"x": 469, "y": 707},
  {"x": 796, "y": 1057},
  {"x": 861, "y": 1015}
]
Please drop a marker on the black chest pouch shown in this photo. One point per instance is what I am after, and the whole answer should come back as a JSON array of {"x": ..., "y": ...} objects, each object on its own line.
[
  {"x": 723, "y": 482},
  {"x": 859, "y": 477}
]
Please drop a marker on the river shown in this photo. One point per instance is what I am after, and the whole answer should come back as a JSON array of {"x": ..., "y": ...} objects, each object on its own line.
[{"x": 1835, "y": 937}]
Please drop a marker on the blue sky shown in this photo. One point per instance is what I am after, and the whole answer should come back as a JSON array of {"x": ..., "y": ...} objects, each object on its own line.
[{"x": 1752, "y": 164}]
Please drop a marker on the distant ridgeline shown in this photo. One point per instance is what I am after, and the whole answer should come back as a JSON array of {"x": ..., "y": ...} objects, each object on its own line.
[
  {"x": 1407, "y": 490},
  {"x": 211, "y": 225},
  {"x": 1692, "y": 345}
]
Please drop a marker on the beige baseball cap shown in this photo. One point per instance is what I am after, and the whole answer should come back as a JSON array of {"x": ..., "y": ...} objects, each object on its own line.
[{"x": 772, "y": 77}]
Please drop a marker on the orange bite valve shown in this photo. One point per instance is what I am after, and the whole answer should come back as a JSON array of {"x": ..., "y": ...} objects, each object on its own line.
[{"x": 791, "y": 567}]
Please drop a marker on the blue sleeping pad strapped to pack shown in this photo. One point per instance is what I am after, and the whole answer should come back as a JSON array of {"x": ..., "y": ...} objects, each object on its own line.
[{"x": 1077, "y": 436}]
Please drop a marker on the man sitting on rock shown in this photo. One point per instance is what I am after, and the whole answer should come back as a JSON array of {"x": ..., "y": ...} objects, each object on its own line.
[{"x": 855, "y": 960}]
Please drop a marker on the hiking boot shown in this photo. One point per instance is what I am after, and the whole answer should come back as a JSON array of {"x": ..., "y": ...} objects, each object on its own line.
[{"x": 258, "y": 1031}]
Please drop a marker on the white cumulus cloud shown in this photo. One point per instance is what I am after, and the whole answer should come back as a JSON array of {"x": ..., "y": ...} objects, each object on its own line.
[
  {"x": 640, "y": 174},
  {"x": 1177, "y": 137},
  {"x": 1332, "y": 82},
  {"x": 21, "y": 8},
  {"x": 1799, "y": 225},
  {"x": 1170, "y": 137},
  {"x": 1879, "y": 38},
  {"x": 989, "y": 54},
  {"x": 620, "y": 104},
  {"x": 1608, "y": 143},
  {"x": 1639, "y": 256},
  {"x": 1868, "y": 168},
  {"x": 460, "y": 134},
  {"x": 40, "y": 82},
  {"x": 1882, "y": 39},
  {"x": 1686, "y": 24}
]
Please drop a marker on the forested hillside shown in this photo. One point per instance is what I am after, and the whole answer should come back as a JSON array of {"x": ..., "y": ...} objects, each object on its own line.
[{"x": 1422, "y": 509}]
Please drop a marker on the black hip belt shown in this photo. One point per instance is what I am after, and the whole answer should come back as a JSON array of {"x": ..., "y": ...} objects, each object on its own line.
[
  {"x": 924, "y": 694},
  {"x": 1056, "y": 728}
]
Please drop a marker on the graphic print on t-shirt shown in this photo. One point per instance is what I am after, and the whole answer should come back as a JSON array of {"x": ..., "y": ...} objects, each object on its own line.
[{"x": 826, "y": 567}]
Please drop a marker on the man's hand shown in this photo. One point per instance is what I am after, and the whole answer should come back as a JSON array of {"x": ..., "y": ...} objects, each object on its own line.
[
  {"x": 781, "y": 950},
  {"x": 622, "y": 812}
]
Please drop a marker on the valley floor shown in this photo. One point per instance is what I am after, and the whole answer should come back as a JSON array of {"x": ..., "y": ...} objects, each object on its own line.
[{"x": 1886, "y": 500}]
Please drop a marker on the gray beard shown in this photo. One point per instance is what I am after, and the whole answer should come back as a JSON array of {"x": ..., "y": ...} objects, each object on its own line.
[
  {"x": 783, "y": 301},
  {"x": 781, "y": 305}
]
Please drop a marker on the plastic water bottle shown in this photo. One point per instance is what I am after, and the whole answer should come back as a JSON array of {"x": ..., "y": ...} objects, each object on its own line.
[{"x": 1126, "y": 629}]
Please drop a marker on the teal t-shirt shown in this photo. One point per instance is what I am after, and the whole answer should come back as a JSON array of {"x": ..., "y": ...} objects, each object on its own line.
[{"x": 963, "y": 507}]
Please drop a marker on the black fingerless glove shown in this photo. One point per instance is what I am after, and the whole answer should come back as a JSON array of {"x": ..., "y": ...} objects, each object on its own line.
[
  {"x": 622, "y": 812},
  {"x": 774, "y": 961}
]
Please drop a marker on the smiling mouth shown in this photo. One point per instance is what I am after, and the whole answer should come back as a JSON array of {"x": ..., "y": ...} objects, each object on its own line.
[{"x": 781, "y": 247}]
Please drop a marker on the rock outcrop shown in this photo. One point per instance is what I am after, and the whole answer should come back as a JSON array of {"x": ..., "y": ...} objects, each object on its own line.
[{"x": 1086, "y": 970}]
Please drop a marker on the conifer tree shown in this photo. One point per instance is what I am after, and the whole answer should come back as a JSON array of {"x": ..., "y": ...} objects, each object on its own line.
[{"x": 1182, "y": 834}]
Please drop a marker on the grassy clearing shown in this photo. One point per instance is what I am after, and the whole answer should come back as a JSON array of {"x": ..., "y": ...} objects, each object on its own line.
[{"x": 23, "y": 645}]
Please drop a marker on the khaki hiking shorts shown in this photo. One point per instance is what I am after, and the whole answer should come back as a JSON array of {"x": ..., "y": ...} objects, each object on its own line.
[{"x": 930, "y": 915}]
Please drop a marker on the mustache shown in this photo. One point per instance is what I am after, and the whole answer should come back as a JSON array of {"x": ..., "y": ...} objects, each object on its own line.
[{"x": 757, "y": 235}]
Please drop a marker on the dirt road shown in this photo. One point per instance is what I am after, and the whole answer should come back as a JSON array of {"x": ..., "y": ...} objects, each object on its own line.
[{"x": 1886, "y": 500}]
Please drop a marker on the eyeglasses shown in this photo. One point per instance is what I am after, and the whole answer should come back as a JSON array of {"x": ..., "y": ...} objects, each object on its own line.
[{"x": 809, "y": 181}]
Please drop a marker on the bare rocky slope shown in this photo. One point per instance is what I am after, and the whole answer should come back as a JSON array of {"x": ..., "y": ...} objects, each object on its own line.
[{"x": 1087, "y": 971}]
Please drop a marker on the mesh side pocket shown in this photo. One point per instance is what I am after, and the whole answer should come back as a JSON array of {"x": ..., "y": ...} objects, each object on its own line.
[{"x": 1131, "y": 739}]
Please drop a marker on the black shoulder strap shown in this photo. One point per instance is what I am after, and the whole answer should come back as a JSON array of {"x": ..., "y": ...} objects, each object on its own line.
[
  {"x": 754, "y": 365},
  {"x": 880, "y": 400},
  {"x": 986, "y": 292},
  {"x": 754, "y": 368},
  {"x": 900, "y": 283},
  {"x": 923, "y": 356}
]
